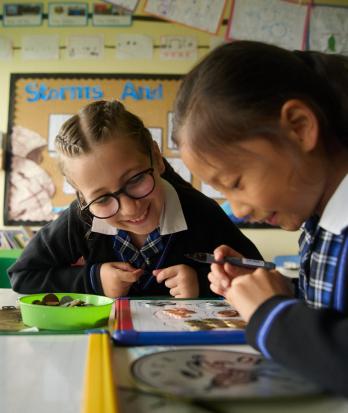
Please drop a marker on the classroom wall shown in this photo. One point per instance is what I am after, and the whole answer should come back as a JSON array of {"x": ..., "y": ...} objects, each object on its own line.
[{"x": 271, "y": 242}]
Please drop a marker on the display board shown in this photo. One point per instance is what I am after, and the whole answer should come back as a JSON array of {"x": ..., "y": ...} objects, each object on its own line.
[{"x": 35, "y": 191}]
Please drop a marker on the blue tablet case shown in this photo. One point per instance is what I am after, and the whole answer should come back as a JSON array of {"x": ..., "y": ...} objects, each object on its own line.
[{"x": 149, "y": 321}]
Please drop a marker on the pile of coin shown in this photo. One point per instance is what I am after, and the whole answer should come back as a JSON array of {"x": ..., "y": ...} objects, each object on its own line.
[{"x": 65, "y": 301}]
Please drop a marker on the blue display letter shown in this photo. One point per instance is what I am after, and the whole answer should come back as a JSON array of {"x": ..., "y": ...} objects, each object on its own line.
[{"x": 129, "y": 90}]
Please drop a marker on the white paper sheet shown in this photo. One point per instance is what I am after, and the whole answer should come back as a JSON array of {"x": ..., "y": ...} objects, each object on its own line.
[
  {"x": 329, "y": 30},
  {"x": 200, "y": 14},
  {"x": 179, "y": 167},
  {"x": 178, "y": 48},
  {"x": 55, "y": 121},
  {"x": 133, "y": 46},
  {"x": 85, "y": 47},
  {"x": 126, "y": 4},
  {"x": 156, "y": 134},
  {"x": 5, "y": 48},
  {"x": 271, "y": 21},
  {"x": 40, "y": 47}
]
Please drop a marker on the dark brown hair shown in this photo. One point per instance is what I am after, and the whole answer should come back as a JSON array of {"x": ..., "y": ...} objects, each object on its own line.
[{"x": 237, "y": 91}]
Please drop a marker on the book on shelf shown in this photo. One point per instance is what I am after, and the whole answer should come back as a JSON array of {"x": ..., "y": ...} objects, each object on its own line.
[
  {"x": 4, "y": 243},
  {"x": 15, "y": 238}
]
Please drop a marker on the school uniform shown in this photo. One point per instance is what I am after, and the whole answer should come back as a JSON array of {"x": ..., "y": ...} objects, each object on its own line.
[
  {"x": 310, "y": 333},
  {"x": 190, "y": 222}
]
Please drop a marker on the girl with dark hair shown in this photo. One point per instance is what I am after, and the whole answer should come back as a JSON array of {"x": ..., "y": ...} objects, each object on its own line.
[
  {"x": 269, "y": 128},
  {"x": 133, "y": 221}
]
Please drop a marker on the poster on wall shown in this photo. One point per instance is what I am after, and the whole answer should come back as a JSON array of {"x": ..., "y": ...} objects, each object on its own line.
[
  {"x": 35, "y": 190},
  {"x": 22, "y": 14},
  {"x": 67, "y": 14}
]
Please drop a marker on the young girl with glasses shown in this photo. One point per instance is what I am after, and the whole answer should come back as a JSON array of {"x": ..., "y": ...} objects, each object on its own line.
[
  {"x": 269, "y": 128},
  {"x": 134, "y": 219}
]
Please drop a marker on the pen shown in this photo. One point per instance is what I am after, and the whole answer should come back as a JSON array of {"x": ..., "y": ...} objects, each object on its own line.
[{"x": 239, "y": 262}]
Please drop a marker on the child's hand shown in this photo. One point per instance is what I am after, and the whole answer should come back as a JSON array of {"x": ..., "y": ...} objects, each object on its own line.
[
  {"x": 117, "y": 278},
  {"x": 248, "y": 292},
  {"x": 221, "y": 275},
  {"x": 181, "y": 280}
]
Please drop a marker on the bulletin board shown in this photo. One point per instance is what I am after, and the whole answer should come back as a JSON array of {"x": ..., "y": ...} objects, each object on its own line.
[{"x": 35, "y": 190}]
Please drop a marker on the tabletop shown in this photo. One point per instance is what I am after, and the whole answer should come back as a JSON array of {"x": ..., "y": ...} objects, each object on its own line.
[{"x": 46, "y": 373}]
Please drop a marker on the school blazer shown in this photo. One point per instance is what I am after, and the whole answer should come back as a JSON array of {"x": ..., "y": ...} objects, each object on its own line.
[
  {"x": 313, "y": 342},
  {"x": 46, "y": 263}
]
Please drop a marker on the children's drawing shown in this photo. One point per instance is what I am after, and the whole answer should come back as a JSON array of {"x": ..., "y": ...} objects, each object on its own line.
[
  {"x": 133, "y": 46},
  {"x": 85, "y": 47},
  {"x": 178, "y": 48},
  {"x": 329, "y": 30},
  {"x": 201, "y": 14},
  {"x": 271, "y": 21}
]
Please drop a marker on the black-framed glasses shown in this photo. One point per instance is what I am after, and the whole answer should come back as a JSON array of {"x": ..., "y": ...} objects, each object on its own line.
[{"x": 137, "y": 187}]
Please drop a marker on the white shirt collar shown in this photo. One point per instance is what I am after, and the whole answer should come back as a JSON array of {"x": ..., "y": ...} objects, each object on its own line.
[
  {"x": 335, "y": 218},
  {"x": 172, "y": 217}
]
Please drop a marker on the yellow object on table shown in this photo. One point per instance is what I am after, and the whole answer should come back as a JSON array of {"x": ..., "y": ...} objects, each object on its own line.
[{"x": 99, "y": 390}]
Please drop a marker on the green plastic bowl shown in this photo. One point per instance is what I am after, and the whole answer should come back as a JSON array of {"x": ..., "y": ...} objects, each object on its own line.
[{"x": 66, "y": 318}]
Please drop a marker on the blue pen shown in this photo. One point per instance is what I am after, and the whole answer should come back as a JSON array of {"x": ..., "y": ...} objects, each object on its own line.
[{"x": 239, "y": 262}]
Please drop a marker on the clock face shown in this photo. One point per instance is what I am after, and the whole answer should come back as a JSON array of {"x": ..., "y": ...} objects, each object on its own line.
[{"x": 222, "y": 374}]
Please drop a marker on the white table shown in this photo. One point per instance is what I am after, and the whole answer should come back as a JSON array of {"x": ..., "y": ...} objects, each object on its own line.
[{"x": 45, "y": 373}]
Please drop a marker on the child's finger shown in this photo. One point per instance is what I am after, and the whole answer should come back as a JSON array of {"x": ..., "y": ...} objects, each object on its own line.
[
  {"x": 124, "y": 266},
  {"x": 174, "y": 292},
  {"x": 234, "y": 271},
  {"x": 219, "y": 275},
  {"x": 130, "y": 276},
  {"x": 219, "y": 291},
  {"x": 163, "y": 274},
  {"x": 170, "y": 282},
  {"x": 223, "y": 251}
]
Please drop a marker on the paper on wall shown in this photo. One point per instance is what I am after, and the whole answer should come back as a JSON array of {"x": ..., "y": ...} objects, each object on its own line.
[
  {"x": 133, "y": 46},
  {"x": 5, "y": 48},
  {"x": 85, "y": 47},
  {"x": 55, "y": 122},
  {"x": 200, "y": 14},
  {"x": 125, "y": 4},
  {"x": 178, "y": 48},
  {"x": 40, "y": 47},
  {"x": 156, "y": 134},
  {"x": 329, "y": 30},
  {"x": 179, "y": 167},
  {"x": 272, "y": 21}
]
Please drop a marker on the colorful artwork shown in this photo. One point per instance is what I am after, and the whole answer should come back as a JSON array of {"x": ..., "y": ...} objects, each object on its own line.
[{"x": 177, "y": 322}]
